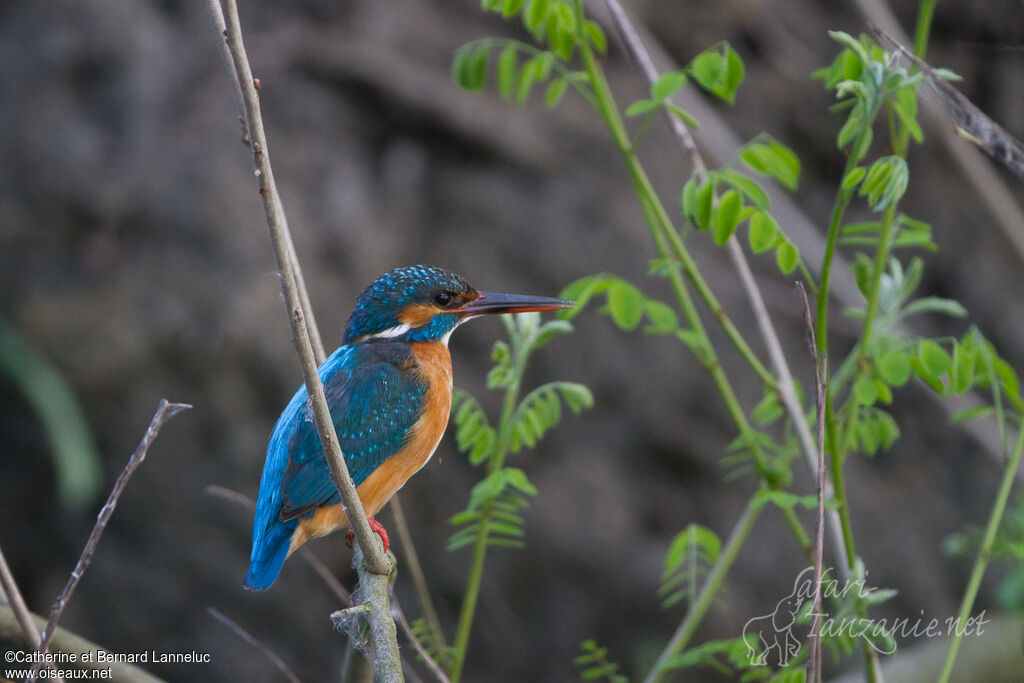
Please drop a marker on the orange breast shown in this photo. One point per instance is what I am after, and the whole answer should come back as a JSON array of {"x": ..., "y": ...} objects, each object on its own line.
[{"x": 434, "y": 366}]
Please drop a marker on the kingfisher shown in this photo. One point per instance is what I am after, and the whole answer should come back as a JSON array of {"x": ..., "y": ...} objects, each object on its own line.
[{"x": 389, "y": 389}]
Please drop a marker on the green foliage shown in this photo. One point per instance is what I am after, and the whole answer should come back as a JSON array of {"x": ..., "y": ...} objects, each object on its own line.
[
  {"x": 770, "y": 157},
  {"x": 437, "y": 651},
  {"x": 594, "y": 664},
  {"x": 626, "y": 305},
  {"x": 493, "y": 514},
  {"x": 541, "y": 410},
  {"x": 1007, "y": 551},
  {"x": 693, "y": 551},
  {"x": 742, "y": 199},
  {"x": 718, "y": 70}
]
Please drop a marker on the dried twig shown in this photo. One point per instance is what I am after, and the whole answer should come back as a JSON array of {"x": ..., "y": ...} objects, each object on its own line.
[
  {"x": 419, "y": 581},
  {"x": 164, "y": 412},
  {"x": 18, "y": 606},
  {"x": 997, "y": 198},
  {"x": 786, "y": 388},
  {"x": 821, "y": 385},
  {"x": 255, "y": 642},
  {"x": 311, "y": 559},
  {"x": 420, "y": 650},
  {"x": 373, "y": 565},
  {"x": 970, "y": 122}
]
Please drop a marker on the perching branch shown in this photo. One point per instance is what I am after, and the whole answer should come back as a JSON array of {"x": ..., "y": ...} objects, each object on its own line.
[
  {"x": 371, "y": 563},
  {"x": 164, "y": 412}
]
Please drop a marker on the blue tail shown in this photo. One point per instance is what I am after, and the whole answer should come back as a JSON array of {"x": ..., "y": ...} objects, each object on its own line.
[{"x": 268, "y": 557}]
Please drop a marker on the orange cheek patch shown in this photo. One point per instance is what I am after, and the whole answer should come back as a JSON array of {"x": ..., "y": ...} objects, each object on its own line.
[{"x": 418, "y": 314}]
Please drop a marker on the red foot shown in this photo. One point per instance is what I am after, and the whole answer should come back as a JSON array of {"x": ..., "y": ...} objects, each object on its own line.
[{"x": 375, "y": 526}]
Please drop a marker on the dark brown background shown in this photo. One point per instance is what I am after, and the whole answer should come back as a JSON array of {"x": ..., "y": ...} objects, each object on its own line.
[{"x": 134, "y": 254}]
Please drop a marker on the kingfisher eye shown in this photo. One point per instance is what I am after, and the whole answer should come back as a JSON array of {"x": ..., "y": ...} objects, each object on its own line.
[{"x": 443, "y": 298}]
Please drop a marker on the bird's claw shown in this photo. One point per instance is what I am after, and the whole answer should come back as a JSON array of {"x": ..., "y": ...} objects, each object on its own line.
[{"x": 376, "y": 527}]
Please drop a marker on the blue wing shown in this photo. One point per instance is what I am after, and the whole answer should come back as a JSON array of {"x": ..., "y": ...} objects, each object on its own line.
[{"x": 375, "y": 399}]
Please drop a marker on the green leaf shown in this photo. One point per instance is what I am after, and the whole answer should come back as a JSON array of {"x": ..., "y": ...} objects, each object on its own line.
[
  {"x": 518, "y": 479},
  {"x": 510, "y": 8},
  {"x": 719, "y": 70},
  {"x": 705, "y": 202},
  {"x": 885, "y": 182},
  {"x": 852, "y": 178},
  {"x": 662, "y": 316},
  {"x": 554, "y": 92},
  {"x": 787, "y": 257},
  {"x": 725, "y": 217},
  {"x": 626, "y": 305},
  {"x": 507, "y": 64},
  {"x": 934, "y": 358},
  {"x": 536, "y": 14},
  {"x": 962, "y": 375},
  {"x": 596, "y": 35},
  {"x": 968, "y": 414},
  {"x": 747, "y": 187},
  {"x": 685, "y": 116},
  {"x": 894, "y": 366},
  {"x": 689, "y": 198},
  {"x": 668, "y": 84},
  {"x": 774, "y": 159},
  {"x": 582, "y": 291},
  {"x": 763, "y": 232},
  {"x": 642, "y": 107},
  {"x": 707, "y": 68},
  {"x": 865, "y": 391}
]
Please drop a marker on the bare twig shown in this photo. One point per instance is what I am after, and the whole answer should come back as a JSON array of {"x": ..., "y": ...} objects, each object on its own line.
[
  {"x": 20, "y": 609},
  {"x": 419, "y": 579},
  {"x": 786, "y": 387},
  {"x": 1001, "y": 203},
  {"x": 970, "y": 122},
  {"x": 217, "y": 16},
  {"x": 252, "y": 640},
  {"x": 422, "y": 651},
  {"x": 821, "y": 385},
  {"x": 164, "y": 412}
]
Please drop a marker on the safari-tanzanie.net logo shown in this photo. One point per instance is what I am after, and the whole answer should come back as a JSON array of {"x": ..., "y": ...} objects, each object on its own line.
[{"x": 774, "y": 639}]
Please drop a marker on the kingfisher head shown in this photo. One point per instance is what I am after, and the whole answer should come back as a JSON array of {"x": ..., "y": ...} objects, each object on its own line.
[{"x": 425, "y": 303}]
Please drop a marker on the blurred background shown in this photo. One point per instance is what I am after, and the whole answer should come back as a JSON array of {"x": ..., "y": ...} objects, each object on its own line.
[{"x": 134, "y": 259}]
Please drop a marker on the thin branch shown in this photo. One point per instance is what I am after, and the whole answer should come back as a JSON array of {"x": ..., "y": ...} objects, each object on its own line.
[
  {"x": 419, "y": 579},
  {"x": 164, "y": 412},
  {"x": 256, "y": 643},
  {"x": 217, "y": 16},
  {"x": 997, "y": 198},
  {"x": 420, "y": 650},
  {"x": 376, "y": 562},
  {"x": 821, "y": 386},
  {"x": 785, "y": 385},
  {"x": 20, "y": 609}
]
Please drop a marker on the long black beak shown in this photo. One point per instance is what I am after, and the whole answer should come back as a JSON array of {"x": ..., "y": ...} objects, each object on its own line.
[{"x": 490, "y": 302}]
